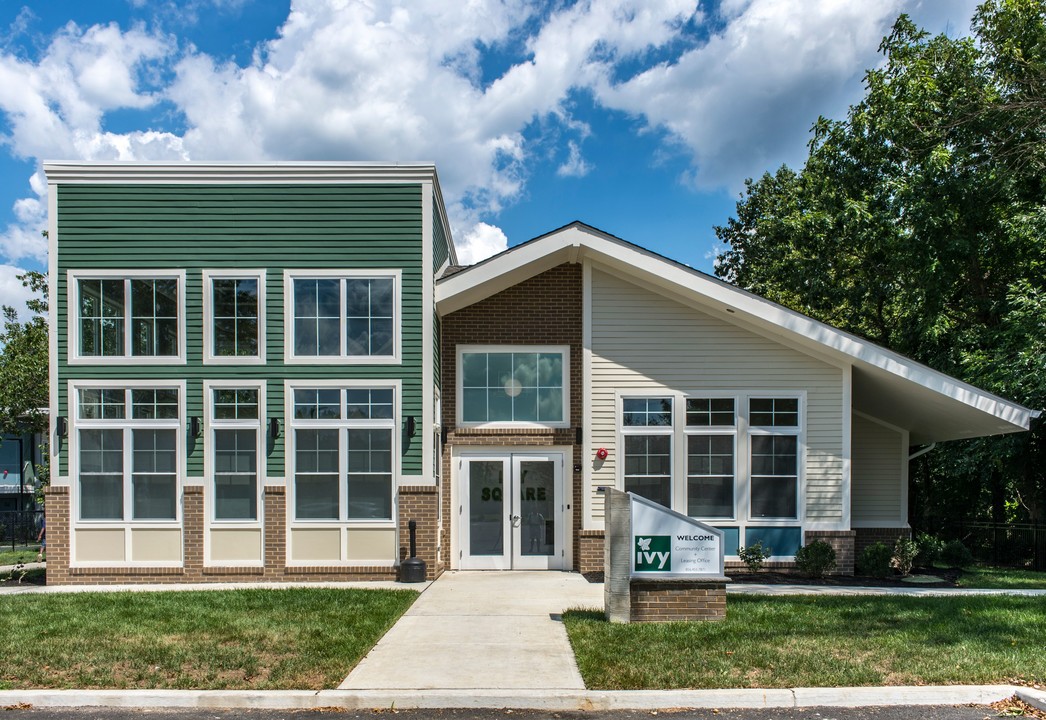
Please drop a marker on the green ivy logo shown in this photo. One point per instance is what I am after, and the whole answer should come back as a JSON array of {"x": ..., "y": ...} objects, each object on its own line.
[{"x": 653, "y": 553}]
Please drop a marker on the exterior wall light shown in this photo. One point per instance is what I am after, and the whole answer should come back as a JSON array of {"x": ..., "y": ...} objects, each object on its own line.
[
  {"x": 61, "y": 427},
  {"x": 274, "y": 428},
  {"x": 194, "y": 427},
  {"x": 411, "y": 426}
]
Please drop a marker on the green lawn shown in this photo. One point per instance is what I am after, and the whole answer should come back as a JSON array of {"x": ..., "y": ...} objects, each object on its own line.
[
  {"x": 1004, "y": 578},
  {"x": 300, "y": 638},
  {"x": 820, "y": 641},
  {"x": 21, "y": 553}
]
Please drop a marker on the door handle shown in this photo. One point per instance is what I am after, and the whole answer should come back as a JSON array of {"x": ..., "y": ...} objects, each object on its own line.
[{"x": 514, "y": 519}]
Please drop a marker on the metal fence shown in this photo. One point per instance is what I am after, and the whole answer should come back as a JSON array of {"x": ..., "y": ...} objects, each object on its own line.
[
  {"x": 1018, "y": 545},
  {"x": 19, "y": 528}
]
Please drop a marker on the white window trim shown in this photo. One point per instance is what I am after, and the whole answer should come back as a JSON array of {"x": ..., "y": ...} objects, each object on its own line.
[
  {"x": 73, "y": 278},
  {"x": 670, "y": 430},
  {"x": 209, "y": 358},
  {"x": 76, "y": 424},
  {"x": 289, "y": 358},
  {"x": 459, "y": 388},
  {"x": 291, "y": 424},
  {"x": 799, "y": 433}
]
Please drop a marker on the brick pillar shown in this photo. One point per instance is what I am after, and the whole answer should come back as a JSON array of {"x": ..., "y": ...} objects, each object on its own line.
[
  {"x": 192, "y": 530},
  {"x": 842, "y": 541},
  {"x": 275, "y": 521},
  {"x": 421, "y": 504},
  {"x": 56, "y": 509},
  {"x": 590, "y": 557}
]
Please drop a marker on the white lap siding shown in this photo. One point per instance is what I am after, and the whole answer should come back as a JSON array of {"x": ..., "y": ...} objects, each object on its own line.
[
  {"x": 643, "y": 341},
  {"x": 879, "y": 474}
]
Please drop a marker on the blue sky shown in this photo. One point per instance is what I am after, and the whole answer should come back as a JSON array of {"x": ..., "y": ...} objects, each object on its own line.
[{"x": 640, "y": 117}]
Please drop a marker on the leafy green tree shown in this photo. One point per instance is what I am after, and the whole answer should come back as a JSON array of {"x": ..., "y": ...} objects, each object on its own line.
[
  {"x": 918, "y": 222},
  {"x": 23, "y": 363}
]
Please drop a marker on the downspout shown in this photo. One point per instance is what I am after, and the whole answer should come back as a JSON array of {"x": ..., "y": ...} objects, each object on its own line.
[{"x": 922, "y": 451}]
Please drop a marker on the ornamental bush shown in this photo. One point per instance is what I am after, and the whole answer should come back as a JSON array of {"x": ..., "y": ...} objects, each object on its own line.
[
  {"x": 816, "y": 559},
  {"x": 875, "y": 560},
  {"x": 905, "y": 551},
  {"x": 930, "y": 547},
  {"x": 955, "y": 554},
  {"x": 753, "y": 556}
]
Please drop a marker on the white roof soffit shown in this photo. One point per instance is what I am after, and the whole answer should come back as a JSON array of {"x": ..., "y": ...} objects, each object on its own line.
[{"x": 931, "y": 405}]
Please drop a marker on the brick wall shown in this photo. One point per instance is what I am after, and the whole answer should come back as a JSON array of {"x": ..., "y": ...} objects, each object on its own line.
[
  {"x": 56, "y": 507},
  {"x": 842, "y": 541},
  {"x": 544, "y": 310},
  {"x": 590, "y": 557},
  {"x": 667, "y": 601},
  {"x": 421, "y": 504}
]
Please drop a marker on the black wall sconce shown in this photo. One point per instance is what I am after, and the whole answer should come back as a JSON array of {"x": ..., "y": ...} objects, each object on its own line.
[
  {"x": 443, "y": 432},
  {"x": 61, "y": 427},
  {"x": 411, "y": 426},
  {"x": 274, "y": 428},
  {"x": 194, "y": 427},
  {"x": 579, "y": 435}
]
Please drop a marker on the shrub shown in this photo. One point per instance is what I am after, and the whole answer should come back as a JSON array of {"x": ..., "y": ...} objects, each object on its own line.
[
  {"x": 753, "y": 556},
  {"x": 875, "y": 560},
  {"x": 955, "y": 554},
  {"x": 905, "y": 551},
  {"x": 930, "y": 548},
  {"x": 816, "y": 559}
]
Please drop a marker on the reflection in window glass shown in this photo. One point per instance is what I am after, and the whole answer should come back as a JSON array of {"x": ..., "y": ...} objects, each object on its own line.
[
  {"x": 512, "y": 387},
  {"x": 235, "y": 317},
  {"x": 775, "y": 479}
]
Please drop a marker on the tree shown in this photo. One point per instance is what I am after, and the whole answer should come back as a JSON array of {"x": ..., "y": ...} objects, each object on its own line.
[
  {"x": 919, "y": 222},
  {"x": 23, "y": 363}
]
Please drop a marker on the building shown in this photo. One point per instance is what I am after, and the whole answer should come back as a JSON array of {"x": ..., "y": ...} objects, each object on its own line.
[{"x": 265, "y": 371}]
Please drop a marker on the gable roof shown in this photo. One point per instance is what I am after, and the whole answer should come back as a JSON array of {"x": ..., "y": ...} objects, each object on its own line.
[{"x": 931, "y": 405}]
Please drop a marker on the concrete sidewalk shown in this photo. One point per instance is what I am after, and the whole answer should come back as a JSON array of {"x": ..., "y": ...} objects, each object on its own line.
[{"x": 482, "y": 630}]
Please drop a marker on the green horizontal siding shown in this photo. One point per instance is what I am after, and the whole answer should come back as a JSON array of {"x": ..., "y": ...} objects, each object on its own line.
[
  {"x": 270, "y": 227},
  {"x": 440, "y": 247}
]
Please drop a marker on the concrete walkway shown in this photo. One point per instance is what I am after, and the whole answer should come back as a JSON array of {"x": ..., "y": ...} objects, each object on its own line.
[{"x": 482, "y": 630}]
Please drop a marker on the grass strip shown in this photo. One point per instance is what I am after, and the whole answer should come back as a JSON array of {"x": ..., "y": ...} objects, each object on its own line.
[
  {"x": 21, "y": 554},
  {"x": 820, "y": 641},
  {"x": 257, "y": 639},
  {"x": 982, "y": 576}
]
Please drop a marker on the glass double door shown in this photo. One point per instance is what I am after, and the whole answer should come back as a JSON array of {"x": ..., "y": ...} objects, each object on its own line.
[{"x": 512, "y": 512}]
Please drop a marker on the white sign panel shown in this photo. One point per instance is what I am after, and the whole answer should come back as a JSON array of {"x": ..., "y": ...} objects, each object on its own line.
[{"x": 668, "y": 544}]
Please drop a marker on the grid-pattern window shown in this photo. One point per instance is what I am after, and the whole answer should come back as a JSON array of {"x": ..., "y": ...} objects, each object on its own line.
[
  {"x": 235, "y": 317},
  {"x": 128, "y": 317},
  {"x": 513, "y": 387},
  {"x": 128, "y": 466},
  {"x": 647, "y": 428},
  {"x": 344, "y": 453},
  {"x": 710, "y": 473},
  {"x": 236, "y": 433},
  {"x": 774, "y": 443},
  {"x": 350, "y": 317}
]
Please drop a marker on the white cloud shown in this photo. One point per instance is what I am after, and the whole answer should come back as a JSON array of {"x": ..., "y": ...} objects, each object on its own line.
[
  {"x": 744, "y": 101},
  {"x": 12, "y": 293},
  {"x": 480, "y": 242},
  {"x": 575, "y": 165}
]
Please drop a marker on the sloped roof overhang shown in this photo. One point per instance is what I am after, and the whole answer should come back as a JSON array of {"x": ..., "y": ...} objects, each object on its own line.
[{"x": 931, "y": 405}]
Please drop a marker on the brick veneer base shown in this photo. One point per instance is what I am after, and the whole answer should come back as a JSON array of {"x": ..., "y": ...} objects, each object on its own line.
[
  {"x": 672, "y": 600},
  {"x": 870, "y": 536},
  {"x": 842, "y": 541}
]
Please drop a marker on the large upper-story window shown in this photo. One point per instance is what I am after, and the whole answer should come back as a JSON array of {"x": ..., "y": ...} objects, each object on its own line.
[
  {"x": 128, "y": 452},
  {"x": 774, "y": 438},
  {"x": 234, "y": 316},
  {"x": 647, "y": 433},
  {"x": 513, "y": 386},
  {"x": 344, "y": 441},
  {"x": 120, "y": 316},
  {"x": 343, "y": 317}
]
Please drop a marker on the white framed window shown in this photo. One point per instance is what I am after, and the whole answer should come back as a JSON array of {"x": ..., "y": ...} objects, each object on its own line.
[
  {"x": 711, "y": 442},
  {"x": 344, "y": 449},
  {"x": 646, "y": 433},
  {"x": 774, "y": 457},
  {"x": 513, "y": 386},
  {"x": 126, "y": 316},
  {"x": 234, "y": 317},
  {"x": 128, "y": 451},
  {"x": 235, "y": 450},
  {"x": 342, "y": 316}
]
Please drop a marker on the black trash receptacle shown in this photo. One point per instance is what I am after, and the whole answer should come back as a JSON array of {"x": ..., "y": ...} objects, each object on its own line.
[{"x": 412, "y": 570}]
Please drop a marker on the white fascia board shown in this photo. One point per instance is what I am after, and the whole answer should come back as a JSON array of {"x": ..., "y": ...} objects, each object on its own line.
[
  {"x": 515, "y": 264},
  {"x": 198, "y": 173}
]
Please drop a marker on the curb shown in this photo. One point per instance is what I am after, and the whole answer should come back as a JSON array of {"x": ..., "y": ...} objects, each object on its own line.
[{"x": 536, "y": 699}]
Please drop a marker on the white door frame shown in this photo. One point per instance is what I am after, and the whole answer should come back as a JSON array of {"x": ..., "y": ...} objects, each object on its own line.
[{"x": 511, "y": 557}]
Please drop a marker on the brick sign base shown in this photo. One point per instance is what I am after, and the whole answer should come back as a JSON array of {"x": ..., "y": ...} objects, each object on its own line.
[{"x": 670, "y": 600}]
